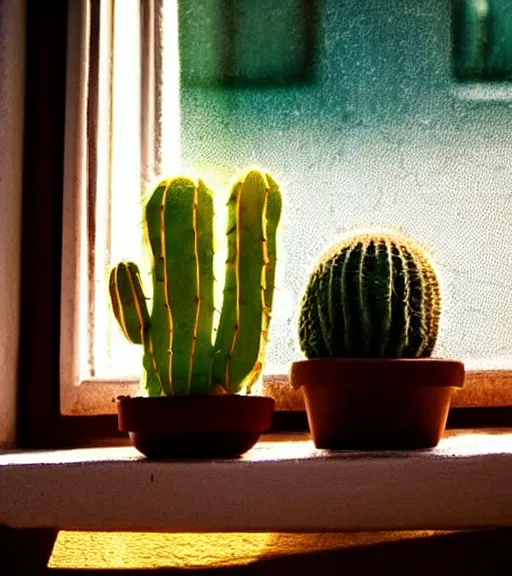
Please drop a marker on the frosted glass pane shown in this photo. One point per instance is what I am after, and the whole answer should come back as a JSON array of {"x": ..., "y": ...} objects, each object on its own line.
[{"x": 380, "y": 136}]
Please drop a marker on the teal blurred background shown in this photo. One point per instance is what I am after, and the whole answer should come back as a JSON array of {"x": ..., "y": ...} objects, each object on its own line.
[{"x": 388, "y": 112}]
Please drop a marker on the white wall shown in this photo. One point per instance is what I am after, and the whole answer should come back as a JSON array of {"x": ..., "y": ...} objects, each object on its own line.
[{"x": 12, "y": 78}]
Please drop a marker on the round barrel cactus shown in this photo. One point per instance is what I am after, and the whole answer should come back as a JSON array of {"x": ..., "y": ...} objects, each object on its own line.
[{"x": 372, "y": 295}]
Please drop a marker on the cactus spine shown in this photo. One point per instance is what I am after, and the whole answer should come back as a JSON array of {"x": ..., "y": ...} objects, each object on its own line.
[
  {"x": 179, "y": 355},
  {"x": 373, "y": 295}
]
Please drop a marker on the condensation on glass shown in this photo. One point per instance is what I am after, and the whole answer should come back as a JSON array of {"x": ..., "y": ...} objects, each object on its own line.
[{"x": 375, "y": 133}]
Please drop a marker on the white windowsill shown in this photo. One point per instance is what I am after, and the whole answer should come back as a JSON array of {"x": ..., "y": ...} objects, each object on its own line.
[{"x": 283, "y": 484}]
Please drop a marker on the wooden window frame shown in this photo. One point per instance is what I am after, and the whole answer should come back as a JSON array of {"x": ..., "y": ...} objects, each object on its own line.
[{"x": 40, "y": 424}]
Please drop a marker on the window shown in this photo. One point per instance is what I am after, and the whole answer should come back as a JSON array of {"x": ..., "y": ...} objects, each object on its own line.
[
  {"x": 482, "y": 39},
  {"x": 247, "y": 44},
  {"x": 357, "y": 120},
  {"x": 482, "y": 50}
]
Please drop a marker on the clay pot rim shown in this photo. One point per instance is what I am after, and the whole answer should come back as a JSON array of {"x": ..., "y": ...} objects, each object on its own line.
[
  {"x": 194, "y": 413},
  {"x": 378, "y": 372},
  {"x": 353, "y": 360},
  {"x": 194, "y": 398}
]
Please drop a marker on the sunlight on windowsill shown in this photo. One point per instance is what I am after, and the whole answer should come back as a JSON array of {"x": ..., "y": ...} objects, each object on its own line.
[
  {"x": 282, "y": 447},
  {"x": 101, "y": 550}
]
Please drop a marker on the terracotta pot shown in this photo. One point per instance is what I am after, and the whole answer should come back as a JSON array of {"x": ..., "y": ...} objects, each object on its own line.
[
  {"x": 205, "y": 426},
  {"x": 366, "y": 404}
]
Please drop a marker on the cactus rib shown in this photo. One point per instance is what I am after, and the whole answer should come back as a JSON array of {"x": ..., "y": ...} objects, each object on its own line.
[{"x": 197, "y": 292}]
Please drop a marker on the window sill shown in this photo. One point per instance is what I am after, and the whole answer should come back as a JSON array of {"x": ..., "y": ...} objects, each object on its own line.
[
  {"x": 283, "y": 484},
  {"x": 482, "y": 91}
]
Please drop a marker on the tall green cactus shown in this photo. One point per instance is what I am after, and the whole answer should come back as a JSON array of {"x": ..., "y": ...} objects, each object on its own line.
[
  {"x": 373, "y": 295},
  {"x": 180, "y": 356}
]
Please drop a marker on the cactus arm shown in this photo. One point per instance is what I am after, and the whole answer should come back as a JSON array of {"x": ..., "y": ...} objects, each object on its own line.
[
  {"x": 128, "y": 301},
  {"x": 130, "y": 310},
  {"x": 238, "y": 339},
  {"x": 183, "y": 283},
  {"x": 229, "y": 317},
  {"x": 272, "y": 215}
]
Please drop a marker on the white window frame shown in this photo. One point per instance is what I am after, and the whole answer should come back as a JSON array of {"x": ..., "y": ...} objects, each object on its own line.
[
  {"x": 75, "y": 273},
  {"x": 85, "y": 396}
]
